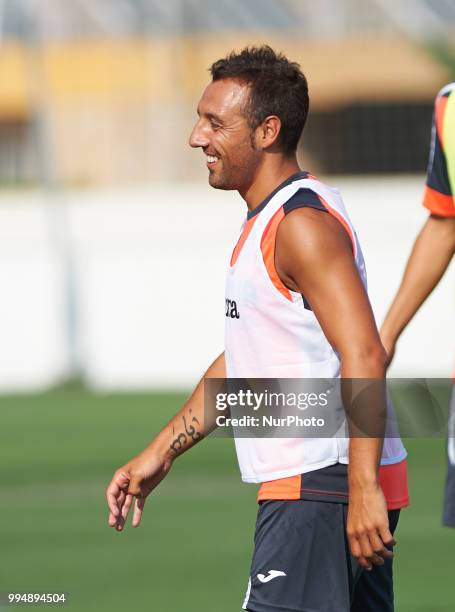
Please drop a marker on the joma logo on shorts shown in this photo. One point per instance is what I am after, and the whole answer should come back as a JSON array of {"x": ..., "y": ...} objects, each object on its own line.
[
  {"x": 231, "y": 309},
  {"x": 271, "y": 575}
]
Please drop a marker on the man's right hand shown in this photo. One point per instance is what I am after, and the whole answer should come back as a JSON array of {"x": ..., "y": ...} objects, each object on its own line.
[
  {"x": 131, "y": 485},
  {"x": 136, "y": 479}
]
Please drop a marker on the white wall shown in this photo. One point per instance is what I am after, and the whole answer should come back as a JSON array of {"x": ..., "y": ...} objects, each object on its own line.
[{"x": 147, "y": 272}]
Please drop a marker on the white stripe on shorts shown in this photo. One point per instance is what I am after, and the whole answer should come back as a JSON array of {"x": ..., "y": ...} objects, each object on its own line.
[
  {"x": 247, "y": 596},
  {"x": 451, "y": 432}
]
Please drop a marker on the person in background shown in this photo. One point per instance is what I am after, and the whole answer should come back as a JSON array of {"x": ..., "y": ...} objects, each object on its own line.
[{"x": 431, "y": 255}]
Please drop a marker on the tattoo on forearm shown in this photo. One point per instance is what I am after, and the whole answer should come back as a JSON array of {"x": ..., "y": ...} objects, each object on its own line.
[
  {"x": 191, "y": 429},
  {"x": 191, "y": 432},
  {"x": 178, "y": 443}
]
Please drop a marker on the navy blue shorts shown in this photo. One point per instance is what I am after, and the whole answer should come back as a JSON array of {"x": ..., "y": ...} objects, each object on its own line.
[{"x": 302, "y": 562}]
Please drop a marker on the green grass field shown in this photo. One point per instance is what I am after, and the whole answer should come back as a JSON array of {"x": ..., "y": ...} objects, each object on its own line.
[{"x": 193, "y": 549}]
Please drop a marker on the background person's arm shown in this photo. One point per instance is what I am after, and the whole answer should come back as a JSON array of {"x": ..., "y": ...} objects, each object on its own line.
[
  {"x": 431, "y": 254},
  {"x": 134, "y": 481},
  {"x": 314, "y": 256}
]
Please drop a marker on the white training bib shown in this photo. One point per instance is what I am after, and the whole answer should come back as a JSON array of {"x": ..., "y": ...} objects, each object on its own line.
[{"x": 270, "y": 334}]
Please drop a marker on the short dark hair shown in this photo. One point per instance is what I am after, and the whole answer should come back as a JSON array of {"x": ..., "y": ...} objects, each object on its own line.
[{"x": 278, "y": 87}]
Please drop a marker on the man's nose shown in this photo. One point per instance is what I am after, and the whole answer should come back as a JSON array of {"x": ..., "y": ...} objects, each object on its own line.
[{"x": 197, "y": 137}]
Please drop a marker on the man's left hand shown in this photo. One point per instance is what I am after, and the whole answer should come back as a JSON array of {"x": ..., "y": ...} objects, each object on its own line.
[{"x": 368, "y": 526}]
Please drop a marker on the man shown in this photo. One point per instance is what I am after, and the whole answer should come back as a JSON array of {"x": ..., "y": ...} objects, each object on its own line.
[
  {"x": 297, "y": 309},
  {"x": 431, "y": 254}
]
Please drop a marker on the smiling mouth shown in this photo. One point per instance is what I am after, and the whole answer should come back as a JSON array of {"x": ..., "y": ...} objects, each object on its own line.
[{"x": 211, "y": 160}]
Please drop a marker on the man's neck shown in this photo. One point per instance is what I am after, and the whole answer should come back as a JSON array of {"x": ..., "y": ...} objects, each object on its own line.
[{"x": 268, "y": 177}]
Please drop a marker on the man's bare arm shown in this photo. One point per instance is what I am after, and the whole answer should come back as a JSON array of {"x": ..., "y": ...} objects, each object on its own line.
[
  {"x": 430, "y": 256},
  {"x": 134, "y": 481},
  {"x": 314, "y": 256}
]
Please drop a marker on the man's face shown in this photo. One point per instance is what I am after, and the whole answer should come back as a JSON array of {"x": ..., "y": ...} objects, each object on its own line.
[{"x": 224, "y": 135}]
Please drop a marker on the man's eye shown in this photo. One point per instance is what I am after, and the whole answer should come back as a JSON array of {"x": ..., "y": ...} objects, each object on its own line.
[{"x": 214, "y": 125}]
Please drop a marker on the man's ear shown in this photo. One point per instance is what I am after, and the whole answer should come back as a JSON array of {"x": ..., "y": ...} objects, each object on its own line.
[{"x": 268, "y": 132}]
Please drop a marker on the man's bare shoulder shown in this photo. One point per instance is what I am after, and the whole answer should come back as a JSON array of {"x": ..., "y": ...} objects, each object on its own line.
[{"x": 312, "y": 232}]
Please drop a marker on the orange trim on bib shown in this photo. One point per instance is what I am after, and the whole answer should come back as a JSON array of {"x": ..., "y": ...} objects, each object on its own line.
[
  {"x": 439, "y": 203},
  {"x": 241, "y": 241},
  {"x": 341, "y": 219},
  {"x": 394, "y": 483},
  {"x": 283, "y": 488},
  {"x": 392, "y": 478},
  {"x": 268, "y": 252}
]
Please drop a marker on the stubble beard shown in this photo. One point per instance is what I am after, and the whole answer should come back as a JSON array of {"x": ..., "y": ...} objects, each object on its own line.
[
  {"x": 215, "y": 180},
  {"x": 220, "y": 180},
  {"x": 235, "y": 178}
]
